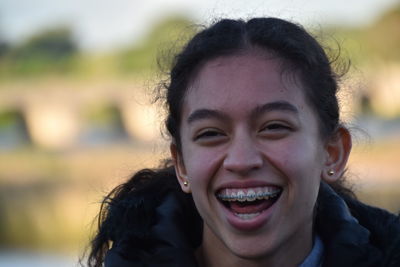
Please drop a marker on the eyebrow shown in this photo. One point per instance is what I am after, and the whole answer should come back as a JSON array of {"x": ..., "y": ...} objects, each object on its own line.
[
  {"x": 201, "y": 114},
  {"x": 274, "y": 106}
]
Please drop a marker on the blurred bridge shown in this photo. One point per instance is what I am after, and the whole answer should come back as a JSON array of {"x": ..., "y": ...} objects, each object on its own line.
[
  {"x": 62, "y": 115},
  {"x": 59, "y": 114}
]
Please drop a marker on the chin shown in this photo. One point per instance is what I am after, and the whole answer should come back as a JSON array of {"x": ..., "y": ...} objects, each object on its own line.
[{"x": 252, "y": 248}]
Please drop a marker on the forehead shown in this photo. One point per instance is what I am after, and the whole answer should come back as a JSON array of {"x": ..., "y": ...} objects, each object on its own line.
[{"x": 239, "y": 80}]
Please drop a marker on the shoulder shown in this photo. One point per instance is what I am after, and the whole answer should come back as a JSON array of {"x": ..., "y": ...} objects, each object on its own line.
[
  {"x": 384, "y": 228},
  {"x": 155, "y": 224},
  {"x": 356, "y": 234}
]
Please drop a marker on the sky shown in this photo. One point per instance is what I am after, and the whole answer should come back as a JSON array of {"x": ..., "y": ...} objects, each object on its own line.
[{"x": 104, "y": 24}]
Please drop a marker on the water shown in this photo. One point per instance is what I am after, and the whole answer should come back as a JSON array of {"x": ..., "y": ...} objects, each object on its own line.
[{"x": 33, "y": 259}]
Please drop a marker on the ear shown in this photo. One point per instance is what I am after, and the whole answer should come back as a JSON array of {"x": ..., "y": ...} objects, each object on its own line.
[
  {"x": 180, "y": 169},
  {"x": 338, "y": 149}
]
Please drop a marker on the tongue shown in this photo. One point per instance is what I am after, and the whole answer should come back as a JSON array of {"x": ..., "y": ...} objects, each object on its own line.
[{"x": 250, "y": 207}]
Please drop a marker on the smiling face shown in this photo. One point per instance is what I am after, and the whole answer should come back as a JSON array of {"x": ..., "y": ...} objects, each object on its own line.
[{"x": 253, "y": 156}]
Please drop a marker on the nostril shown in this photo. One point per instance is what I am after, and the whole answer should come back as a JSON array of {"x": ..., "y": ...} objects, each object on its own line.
[
  {"x": 243, "y": 162},
  {"x": 242, "y": 154}
]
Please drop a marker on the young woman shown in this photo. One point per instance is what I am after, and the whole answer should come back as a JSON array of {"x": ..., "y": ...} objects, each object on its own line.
[{"x": 258, "y": 156}]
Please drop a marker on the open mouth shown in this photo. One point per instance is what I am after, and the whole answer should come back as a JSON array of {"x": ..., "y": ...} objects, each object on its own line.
[{"x": 248, "y": 203}]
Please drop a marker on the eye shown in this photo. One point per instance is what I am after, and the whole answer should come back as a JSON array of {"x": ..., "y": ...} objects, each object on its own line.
[
  {"x": 276, "y": 126},
  {"x": 276, "y": 130},
  {"x": 209, "y": 135}
]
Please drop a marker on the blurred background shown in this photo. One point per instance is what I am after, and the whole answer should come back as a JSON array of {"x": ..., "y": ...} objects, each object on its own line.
[{"x": 76, "y": 83}]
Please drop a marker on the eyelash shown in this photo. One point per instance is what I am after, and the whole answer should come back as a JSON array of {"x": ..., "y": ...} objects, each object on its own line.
[
  {"x": 271, "y": 128},
  {"x": 276, "y": 126},
  {"x": 208, "y": 134}
]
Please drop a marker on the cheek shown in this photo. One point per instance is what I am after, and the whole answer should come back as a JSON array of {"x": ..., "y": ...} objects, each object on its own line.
[
  {"x": 298, "y": 158},
  {"x": 298, "y": 163},
  {"x": 201, "y": 164},
  {"x": 303, "y": 166}
]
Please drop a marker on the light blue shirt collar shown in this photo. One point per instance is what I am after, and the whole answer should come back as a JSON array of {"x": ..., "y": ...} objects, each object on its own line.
[{"x": 314, "y": 259}]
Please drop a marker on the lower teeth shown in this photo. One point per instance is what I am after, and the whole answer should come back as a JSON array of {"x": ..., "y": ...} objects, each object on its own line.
[{"x": 247, "y": 216}]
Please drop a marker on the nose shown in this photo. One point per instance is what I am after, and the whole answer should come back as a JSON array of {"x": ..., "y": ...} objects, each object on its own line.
[{"x": 242, "y": 156}]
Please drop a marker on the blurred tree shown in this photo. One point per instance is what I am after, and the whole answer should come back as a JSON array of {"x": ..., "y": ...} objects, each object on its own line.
[
  {"x": 52, "y": 44},
  {"x": 383, "y": 37},
  {"x": 50, "y": 51},
  {"x": 166, "y": 36},
  {"x": 3, "y": 44},
  {"x": 4, "y": 47},
  {"x": 380, "y": 40}
]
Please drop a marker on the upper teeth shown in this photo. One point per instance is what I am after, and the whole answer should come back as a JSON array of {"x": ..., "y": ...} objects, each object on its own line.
[{"x": 248, "y": 194}]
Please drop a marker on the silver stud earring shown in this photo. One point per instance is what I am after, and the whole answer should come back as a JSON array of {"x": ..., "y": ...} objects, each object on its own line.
[{"x": 331, "y": 172}]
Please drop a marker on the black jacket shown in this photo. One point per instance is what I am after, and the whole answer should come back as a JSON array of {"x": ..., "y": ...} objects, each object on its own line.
[{"x": 165, "y": 231}]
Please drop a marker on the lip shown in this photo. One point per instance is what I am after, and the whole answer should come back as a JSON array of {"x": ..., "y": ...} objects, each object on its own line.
[{"x": 251, "y": 224}]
